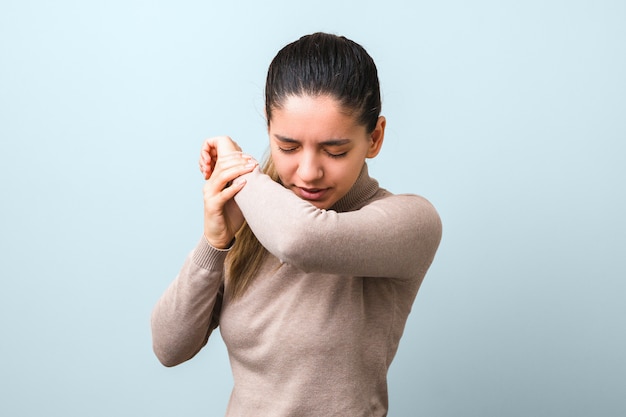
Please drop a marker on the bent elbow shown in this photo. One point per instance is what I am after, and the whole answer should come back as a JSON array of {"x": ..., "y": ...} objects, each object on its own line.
[
  {"x": 290, "y": 251},
  {"x": 167, "y": 358}
]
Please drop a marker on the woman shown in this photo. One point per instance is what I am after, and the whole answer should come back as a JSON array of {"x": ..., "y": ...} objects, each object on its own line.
[{"x": 308, "y": 267}]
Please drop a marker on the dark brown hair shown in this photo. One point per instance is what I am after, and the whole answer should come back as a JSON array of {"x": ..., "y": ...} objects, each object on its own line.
[
  {"x": 324, "y": 64},
  {"x": 314, "y": 65}
]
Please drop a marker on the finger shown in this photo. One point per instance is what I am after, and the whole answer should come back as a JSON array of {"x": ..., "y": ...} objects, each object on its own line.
[
  {"x": 219, "y": 145},
  {"x": 207, "y": 144},
  {"x": 230, "y": 170},
  {"x": 220, "y": 150},
  {"x": 224, "y": 165},
  {"x": 227, "y": 172},
  {"x": 206, "y": 171},
  {"x": 208, "y": 161},
  {"x": 208, "y": 153},
  {"x": 233, "y": 161},
  {"x": 230, "y": 192},
  {"x": 215, "y": 202}
]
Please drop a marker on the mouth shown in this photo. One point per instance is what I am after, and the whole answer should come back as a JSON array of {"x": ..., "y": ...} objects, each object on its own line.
[{"x": 311, "y": 194}]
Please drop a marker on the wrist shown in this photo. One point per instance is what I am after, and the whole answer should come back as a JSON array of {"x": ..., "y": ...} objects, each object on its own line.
[{"x": 220, "y": 244}]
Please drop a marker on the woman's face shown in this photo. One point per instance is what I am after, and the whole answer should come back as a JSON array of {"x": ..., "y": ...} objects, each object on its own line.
[{"x": 318, "y": 150}]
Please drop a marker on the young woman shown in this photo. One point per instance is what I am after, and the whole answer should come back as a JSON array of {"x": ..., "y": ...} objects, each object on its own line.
[{"x": 308, "y": 266}]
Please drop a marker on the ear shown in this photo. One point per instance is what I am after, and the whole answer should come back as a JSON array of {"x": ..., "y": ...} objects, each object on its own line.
[{"x": 377, "y": 137}]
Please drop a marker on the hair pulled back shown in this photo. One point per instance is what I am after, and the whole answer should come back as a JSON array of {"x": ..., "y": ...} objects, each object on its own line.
[
  {"x": 325, "y": 64},
  {"x": 315, "y": 65}
]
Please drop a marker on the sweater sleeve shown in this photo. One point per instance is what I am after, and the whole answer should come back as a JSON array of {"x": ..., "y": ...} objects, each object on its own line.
[
  {"x": 188, "y": 311},
  {"x": 395, "y": 236}
]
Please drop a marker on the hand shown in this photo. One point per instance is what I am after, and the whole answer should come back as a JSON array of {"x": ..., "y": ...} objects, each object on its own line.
[
  {"x": 209, "y": 152},
  {"x": 222, "y": 163}
]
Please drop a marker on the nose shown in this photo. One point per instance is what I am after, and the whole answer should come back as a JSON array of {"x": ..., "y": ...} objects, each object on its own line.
[{"x": 309, "y": 168}]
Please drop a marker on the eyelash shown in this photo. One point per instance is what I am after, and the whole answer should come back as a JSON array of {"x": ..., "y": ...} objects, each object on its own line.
[
  {"x": 336, "y": 155},
  {"x": 332, "y": 155},
  {"x": 283, "y": 150}
]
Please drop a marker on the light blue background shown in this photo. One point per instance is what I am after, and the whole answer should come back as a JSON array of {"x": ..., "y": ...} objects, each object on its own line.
[{"x": 510, "y": 116}]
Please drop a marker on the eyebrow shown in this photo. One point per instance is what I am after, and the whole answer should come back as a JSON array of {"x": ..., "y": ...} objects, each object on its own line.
[{"x": 329, "y": 142}]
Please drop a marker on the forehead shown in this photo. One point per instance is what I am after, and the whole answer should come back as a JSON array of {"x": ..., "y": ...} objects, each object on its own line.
[{"x": 307, "y": 116}]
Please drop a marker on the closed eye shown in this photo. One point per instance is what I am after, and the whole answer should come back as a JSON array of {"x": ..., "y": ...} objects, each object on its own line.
[
  {"x": 287, "y": 150},
  {"x": 336, "y": 155},
  {"x": 288, "y": 145}
]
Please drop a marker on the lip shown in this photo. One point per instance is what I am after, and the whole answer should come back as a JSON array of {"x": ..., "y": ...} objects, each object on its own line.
[{"x": 312, "y": 194}]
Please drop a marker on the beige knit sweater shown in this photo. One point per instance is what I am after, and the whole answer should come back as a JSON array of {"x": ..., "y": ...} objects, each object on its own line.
[{"x": 315, "y": 333}]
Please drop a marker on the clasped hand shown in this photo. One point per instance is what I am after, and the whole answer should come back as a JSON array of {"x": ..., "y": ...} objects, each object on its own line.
[{"x": 222, "y": 163}]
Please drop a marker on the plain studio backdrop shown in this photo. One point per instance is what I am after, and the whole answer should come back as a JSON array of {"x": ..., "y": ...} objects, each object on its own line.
[{"x": 510, "y": 116}]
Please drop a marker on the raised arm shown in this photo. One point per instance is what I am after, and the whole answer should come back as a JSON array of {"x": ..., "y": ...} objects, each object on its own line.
[
  {"x": 188, "y": 311},
  {"x": 394, "y": 236}
]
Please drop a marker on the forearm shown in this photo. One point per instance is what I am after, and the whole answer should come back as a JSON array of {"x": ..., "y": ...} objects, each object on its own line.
[
  {"x": 390, "y": 237},
  {"x": 188, "y": 310}
]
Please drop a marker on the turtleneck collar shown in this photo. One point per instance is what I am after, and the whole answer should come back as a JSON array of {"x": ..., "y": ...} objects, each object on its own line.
[{"x": 362, "y": 191}]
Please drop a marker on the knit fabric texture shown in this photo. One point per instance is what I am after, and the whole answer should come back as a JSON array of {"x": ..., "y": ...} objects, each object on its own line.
[{"x": 316, "y": 331}]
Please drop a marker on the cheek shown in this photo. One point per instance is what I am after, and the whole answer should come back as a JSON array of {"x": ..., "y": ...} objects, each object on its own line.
[
  {"x": 282, "y": 165},
  {"x": 349, "y": 172}
]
